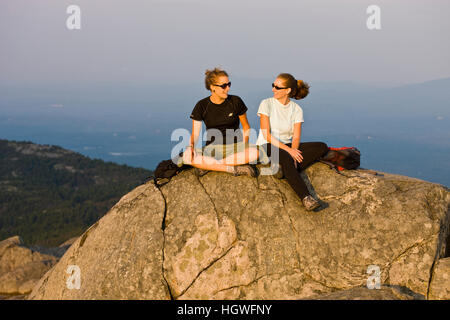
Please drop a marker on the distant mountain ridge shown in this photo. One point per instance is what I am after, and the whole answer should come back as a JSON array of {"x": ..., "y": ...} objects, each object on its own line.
[
  {"x": 119, "y": 123},
  {"x": 49, "y": 194},
  {"x": 435, "y": 83}
]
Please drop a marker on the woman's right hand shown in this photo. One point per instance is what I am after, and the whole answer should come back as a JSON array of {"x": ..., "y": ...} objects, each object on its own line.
[{"x": 295, "y": 154}]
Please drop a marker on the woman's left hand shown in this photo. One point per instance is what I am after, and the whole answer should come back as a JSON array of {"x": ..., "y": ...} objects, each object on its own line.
[{"x": 295, "y": 154}]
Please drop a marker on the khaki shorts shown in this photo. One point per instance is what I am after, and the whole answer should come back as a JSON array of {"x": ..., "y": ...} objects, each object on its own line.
[{"x": 221, "y": 151}]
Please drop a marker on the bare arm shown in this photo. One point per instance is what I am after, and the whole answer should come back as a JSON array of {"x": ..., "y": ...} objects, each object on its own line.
[
  {"x": 265, "y": 128},
  {"x": 245, "y": 126},
  {"x": 196, "y": 126},
  {"x": 296, "y": 138},
  {"x": 297, "y": 135}
]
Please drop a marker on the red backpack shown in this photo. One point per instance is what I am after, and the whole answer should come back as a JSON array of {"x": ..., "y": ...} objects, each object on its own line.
[{"x": 342, "y": 158}]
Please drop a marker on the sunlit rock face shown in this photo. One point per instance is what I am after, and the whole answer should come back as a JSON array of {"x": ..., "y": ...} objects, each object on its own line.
[{"x": 225, "y": 237}]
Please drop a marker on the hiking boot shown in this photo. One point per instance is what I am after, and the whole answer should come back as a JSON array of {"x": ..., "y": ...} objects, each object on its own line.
[
  {"x": 244, "y": 170},
  {"x": 310, "y": 203},
  {"x": 200, "y": 172}
]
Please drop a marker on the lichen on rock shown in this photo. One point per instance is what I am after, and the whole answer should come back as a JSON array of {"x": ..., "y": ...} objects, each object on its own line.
[{"x": 226, "y": 237}]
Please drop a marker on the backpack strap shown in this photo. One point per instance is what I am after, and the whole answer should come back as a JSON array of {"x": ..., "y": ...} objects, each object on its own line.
[
  {"x": 332, "y": 166},
  {"x": 343, "y": 148}
]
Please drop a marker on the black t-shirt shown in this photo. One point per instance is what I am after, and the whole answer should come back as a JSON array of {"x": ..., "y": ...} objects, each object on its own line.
[{"x": 221, "y": 116}]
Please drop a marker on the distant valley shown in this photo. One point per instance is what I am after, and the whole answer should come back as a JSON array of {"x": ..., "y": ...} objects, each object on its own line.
[{"x": 49, "y": 194}]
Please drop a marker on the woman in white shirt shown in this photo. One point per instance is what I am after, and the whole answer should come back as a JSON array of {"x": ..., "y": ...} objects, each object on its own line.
[{"x": 281, "y": 126}]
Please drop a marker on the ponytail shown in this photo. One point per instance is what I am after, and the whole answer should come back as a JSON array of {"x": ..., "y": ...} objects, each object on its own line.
[
  {"x": 299, "y": 88},
  {"x": 302, "y": 90}
]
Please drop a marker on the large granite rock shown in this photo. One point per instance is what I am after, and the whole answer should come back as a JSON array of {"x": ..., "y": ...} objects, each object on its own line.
[
  {"x": 119, "y": 257},
  {"x": 21, "y": 267},
  {"x": 226, "y": 237},
  {"x": 384, "y": 292},
  {"x": 440, "y": 281}
]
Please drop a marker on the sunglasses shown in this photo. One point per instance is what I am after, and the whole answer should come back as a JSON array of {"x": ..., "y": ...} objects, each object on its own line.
[
  {"x": 277, "y": 87},
  {"x": 223, "y": 86}
]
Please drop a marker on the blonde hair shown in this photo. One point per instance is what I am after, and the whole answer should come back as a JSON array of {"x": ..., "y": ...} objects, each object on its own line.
[{"x": 212, "y": 75}]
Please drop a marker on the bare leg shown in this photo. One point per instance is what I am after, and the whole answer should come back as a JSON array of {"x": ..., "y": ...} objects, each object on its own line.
[
  {"x": 243, "y": 157},
  {"x": 206, "y": 163}
]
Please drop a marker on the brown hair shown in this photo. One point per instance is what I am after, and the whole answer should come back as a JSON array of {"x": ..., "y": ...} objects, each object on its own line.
[
  {"x": 299, "y": 88},
  {"x": 212, "y": 75}
]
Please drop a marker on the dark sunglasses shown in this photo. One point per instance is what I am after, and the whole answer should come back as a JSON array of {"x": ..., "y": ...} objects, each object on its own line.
[
  {"x": 223, "y": 86},
  {"x": 277, "y": 87}
]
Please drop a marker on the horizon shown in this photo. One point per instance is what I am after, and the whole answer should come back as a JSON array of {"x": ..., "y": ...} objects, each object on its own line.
[
  {"x": 134, "y": 70},
  {"x": 174, "y": 41}
]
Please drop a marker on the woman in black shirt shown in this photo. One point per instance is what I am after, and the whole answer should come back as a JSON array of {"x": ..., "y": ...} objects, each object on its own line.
[{"x": 226, "y": 149}]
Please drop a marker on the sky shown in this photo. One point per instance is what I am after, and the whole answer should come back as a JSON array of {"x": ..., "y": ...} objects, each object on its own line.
[
  {"x": 159, "y": 42},
  {"x": 135, "y": 69}
]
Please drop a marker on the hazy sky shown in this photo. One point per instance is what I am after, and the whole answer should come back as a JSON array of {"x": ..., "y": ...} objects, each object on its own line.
[{"x": 174, "y": 41}]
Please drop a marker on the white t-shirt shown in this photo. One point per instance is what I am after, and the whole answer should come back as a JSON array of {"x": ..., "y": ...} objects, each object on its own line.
[{"x": 282, "y": 118}]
